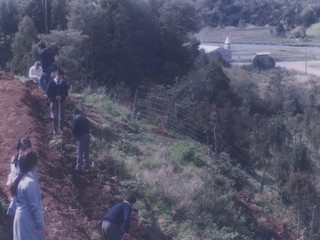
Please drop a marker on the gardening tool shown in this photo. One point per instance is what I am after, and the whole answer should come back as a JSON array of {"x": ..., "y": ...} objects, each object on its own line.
[{"x": 59, "y": 116}]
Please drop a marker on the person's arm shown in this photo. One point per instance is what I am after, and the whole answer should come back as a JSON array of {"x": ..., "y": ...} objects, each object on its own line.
[
  {"x": 74, "y": 127},
  {"x": 126, "y": 217},
  {"x": 32, "y": 74},
  {"x": 49, "y": 91},
  {"x": 13, "y": 172},
  {"x": 64, "y": 91},
  {"x": 35, "y": 207},
  {"x": 40, "y": 73}
]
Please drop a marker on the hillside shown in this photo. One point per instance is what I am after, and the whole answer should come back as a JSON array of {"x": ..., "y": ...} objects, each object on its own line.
[
  {"x": 74, "y": 203},
  {"x": 180, "y": 183}
]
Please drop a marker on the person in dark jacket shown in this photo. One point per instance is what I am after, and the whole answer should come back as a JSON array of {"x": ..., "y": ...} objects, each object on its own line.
[
  {"x": 46, "y": 59},
  {"x": 81, "y": 131},
  {"x": 57, "y": 92},
  {"x": 116, "y": 222}
]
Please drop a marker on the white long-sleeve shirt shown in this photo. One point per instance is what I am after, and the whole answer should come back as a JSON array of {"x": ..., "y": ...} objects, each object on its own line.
[{"x": 35, "y": 73}]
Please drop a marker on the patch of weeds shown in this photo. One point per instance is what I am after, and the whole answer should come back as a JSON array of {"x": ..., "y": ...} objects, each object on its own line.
[
  {"x": 185, "y": 152},
  {"x": 129, "y": 148},
  {"x": 151, "y": 163},
  {"x": 110, "y": 167},
  {"x": 4, "y": 220}
]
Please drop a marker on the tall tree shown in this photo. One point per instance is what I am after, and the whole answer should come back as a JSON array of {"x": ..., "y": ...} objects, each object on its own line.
[
  {"x": 39, "y": 12},
  {"x": 59, "y": 13},
  {"x": 22, "y": 46}
]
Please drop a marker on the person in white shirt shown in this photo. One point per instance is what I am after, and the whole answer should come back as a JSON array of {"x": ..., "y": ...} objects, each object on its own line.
[{"x": 35, "y": 72}]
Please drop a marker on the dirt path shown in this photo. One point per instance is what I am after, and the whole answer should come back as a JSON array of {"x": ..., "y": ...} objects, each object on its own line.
[{"x": 74, "y": 203}]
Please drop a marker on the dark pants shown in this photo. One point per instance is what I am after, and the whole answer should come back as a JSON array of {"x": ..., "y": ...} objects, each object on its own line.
[
  {"x": 83, "y": 143},
  {"x": 55, "y": 110},
  {"x": 110, "y": 231},
  {"x": 45, "y": 79}
]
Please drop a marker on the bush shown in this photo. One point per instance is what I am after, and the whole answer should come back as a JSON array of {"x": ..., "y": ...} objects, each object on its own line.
[{"x": 264, "y": 62}]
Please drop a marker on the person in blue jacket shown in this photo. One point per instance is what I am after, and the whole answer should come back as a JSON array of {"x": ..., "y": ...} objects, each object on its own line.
[
  {"x": 116, "y": 222},
  {"x": 46, "y": 59},
  {"x": 81, "y": 131},
  {"x": 57, "y": 92},
  {"x": 29, "y": 220}
]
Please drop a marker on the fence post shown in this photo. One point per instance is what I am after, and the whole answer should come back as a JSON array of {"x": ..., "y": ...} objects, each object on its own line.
[{"x": 134, "y": 103}]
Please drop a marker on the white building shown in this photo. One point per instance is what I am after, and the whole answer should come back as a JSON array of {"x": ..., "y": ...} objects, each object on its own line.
[{"x": 223, "y": 52}]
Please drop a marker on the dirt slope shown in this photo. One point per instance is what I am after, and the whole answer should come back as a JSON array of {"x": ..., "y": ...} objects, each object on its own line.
[{"x": 74, "y": 202}]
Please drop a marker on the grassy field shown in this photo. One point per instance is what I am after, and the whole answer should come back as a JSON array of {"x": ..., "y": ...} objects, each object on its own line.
[
  {"x": 257, "y": 35},
  {"x": 245, "y": 42}
]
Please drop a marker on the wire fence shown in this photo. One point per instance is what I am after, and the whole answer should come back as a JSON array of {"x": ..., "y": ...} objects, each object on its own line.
[{"x": 172, "y": 116}]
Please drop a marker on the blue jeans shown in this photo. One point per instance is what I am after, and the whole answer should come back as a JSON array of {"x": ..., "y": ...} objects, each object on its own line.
[{"x": 83, "y": 143}]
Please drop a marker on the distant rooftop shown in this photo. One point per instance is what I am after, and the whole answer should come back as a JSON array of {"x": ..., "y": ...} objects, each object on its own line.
[
  {"x": 263, "y": 53},
  {"x": 208, "y": 48}
]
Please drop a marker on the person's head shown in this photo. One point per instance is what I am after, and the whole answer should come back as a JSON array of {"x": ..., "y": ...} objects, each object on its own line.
[
  {"x": 76, "y": 111},
  {"x": 27, "y": 162},
  {"x": 37, "y": 64},
  {"x": 24, "y": 143},
  {"x": 131, "y": 199},
  {"x": 60, "y": 74},
  {"x": 41, "y": 45}
]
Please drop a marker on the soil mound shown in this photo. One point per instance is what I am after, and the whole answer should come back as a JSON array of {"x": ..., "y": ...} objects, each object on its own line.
[{"x": 73, "y": 203}]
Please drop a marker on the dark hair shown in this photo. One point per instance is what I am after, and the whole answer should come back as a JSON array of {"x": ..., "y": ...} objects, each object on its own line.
[
  {"x": 41, "y": 45},
  {"x": 60, "y": 72},
  {"x": 130, "y": 198},
  {"x": 76, "y": 111},
  {"x": 24, "y": 143},
  {"x": 26, "y": 163}
]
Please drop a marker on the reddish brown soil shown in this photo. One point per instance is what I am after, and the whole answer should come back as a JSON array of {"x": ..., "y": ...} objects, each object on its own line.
[{"x": 75, "y": 203}]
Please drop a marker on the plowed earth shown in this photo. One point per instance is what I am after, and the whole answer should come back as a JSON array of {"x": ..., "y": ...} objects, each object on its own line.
[{"x": 74, "y": 203}]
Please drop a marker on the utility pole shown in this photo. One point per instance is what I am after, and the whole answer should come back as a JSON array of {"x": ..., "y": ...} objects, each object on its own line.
[
  {"x": 45, "y": 14},
  {"x": 306, "y": 61}
]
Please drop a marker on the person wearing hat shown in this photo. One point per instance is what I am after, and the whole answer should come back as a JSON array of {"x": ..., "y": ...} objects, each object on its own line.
[
  {"x": 57, "y": 92},
  {"x": 116, "y": 222},
  {"x": 81, "y": 132}
]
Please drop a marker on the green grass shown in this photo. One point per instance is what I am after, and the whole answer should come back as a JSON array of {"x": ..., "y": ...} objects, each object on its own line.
[
  {"x": 184, "y": 192},
  {"x": 256, "y": 35},
  {"x": 313, "y": 30}
]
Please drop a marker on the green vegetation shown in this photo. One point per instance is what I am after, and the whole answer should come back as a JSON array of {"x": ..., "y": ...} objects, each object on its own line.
[
  {"x": 215, "y": 152},
  {"x": 262, "y": 174},
  {"x": 313, "y": 30}
]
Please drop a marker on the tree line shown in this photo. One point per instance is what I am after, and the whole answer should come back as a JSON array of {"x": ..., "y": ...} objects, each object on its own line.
[
  {"x": 105, "y": 42},
  {"x": 129, "y": 42}
]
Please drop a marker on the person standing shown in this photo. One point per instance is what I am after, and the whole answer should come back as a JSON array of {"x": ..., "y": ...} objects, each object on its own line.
[
  {"x": 35, "y": 72},
  {"x": 46, "y": 59},
  {"x": 116, "y": 223},
  {"x": 57, "y": 92},
  {"x": 29, "y": 220},
  {"x": 23, "y": 147},
  {"x": 81, "y": 132}
]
